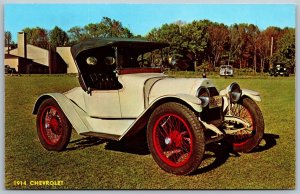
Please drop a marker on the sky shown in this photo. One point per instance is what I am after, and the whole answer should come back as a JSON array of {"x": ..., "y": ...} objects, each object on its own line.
[{"x": 141, "y": 18}]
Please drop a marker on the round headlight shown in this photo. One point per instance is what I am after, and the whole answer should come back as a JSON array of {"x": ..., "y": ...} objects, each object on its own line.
[
  {"x": 234, "y": 92},
  {"x": 203, "y": 95}
]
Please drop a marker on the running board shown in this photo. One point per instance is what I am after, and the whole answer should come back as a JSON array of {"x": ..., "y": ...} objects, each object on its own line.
[
  {"x": 214, "y": 139},
  {"x": 102, "y": 135}
]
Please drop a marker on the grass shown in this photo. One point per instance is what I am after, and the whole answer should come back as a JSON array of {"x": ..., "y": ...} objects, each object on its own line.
[{"x": 90, "y": 163}]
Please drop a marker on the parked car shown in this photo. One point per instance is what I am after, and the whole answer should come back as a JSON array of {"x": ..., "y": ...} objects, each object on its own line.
[
  {"x": 120, "y": 95},
  {"x": 226, "y": 70},
  {"x": 280, "y": 69},
  {"x": 9, "y": 70}
]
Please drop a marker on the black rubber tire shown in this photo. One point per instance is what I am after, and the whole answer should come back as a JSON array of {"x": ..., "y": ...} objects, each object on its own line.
[
  {"x": 63, "y": 122},
  {"x": 195, "y": 129},
  {"x": 258, "y": 126}
]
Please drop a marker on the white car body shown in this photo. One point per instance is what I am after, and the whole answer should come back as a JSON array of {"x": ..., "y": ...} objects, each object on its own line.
[
  {"x": 114, "y": 112},
  {"x": 120, "y": 95}
]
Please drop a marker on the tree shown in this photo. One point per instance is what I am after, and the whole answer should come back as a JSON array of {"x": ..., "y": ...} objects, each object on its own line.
[
  {"x": 253, "y": 34},
  {"x": 286, "y": 48},
  {"x": 263, "y": 48},
  {"x": 37, "y": 36},
  {"x": 7, "y": 41},
  {"x": 275, "y": 33},
  {"x": 218, "y": 38},
  {"x": 94, "y": 30},
  {"x": 195, "y": 39},
  {"x": 105, "y": 28},
  {"x": 243, "y": 44},
  {"x": 168, "y": 33},
  {"x": 58, "y": 37},
  {"x": 235, "y": 43},
  {"x": 76, "y": 34},
  {"x": 7, "y": 38},
  {"x": 114, "y": 28}
]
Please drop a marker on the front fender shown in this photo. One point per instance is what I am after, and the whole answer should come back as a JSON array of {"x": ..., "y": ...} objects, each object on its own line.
[
  {"x": 251, "y": 94},
  {"x": 245, "y": 93},
  {"x": 192, "y": 101},
  {"x": 71, "y": 110}
]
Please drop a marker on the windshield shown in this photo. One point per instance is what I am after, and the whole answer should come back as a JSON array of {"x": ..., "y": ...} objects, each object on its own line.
[{"x": 134, "y": 58}]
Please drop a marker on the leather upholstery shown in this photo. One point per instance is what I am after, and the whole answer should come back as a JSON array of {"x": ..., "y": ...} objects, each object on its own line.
[{"x": 104, "y": 81}]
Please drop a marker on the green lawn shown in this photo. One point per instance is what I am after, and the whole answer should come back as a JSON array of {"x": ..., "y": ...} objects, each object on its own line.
[{"x": 90, "y": 163}]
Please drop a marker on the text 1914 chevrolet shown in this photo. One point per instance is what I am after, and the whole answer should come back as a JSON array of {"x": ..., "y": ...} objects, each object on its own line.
[{"x": 122, "y": 92}]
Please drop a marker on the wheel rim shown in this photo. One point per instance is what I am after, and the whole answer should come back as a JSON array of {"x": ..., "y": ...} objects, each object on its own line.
[
  {"x": 172, "y": 140},
  {"x": 51, "y": 125},
  {"x": 243, "y": 136}
]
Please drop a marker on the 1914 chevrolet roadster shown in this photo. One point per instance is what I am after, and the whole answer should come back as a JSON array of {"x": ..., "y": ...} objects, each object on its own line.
[{"x": 123, "y": 90}]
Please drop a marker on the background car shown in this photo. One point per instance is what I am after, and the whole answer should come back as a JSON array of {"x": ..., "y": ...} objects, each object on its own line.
[
  {"x": 9, "y": 70},
  {"x": 281, "y": 70},
  {"x": 226, "y": 70}
]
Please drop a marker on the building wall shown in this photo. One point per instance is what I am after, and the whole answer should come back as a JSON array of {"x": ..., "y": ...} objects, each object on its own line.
[
  {"x": 33, "y": 59},
  {"x": 12, "y": 62},
  {"x": 65, "y": 53},
  {"x": 35, "y": 53},
  {"x": 38, "y": 55}
]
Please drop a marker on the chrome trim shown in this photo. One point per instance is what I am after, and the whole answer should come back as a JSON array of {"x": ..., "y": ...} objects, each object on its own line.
[
  {"x": 202, "y": 87},
  {"x": 234, "y": 93},
  {"x": 204, "y": 99}
]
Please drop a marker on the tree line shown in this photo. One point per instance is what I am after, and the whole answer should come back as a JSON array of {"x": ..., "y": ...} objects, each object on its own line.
[
  {"x": 212, "y": 44},
  {"x": 241, "y": 45}
]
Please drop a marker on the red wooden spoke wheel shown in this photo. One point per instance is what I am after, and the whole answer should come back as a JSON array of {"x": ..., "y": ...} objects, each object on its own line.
[
  {"x": 247, "y": 139},
  {"x": 53, "y": 127},
  {"x": 176, "y": 138},
  {"x": 172, "y": 140}
]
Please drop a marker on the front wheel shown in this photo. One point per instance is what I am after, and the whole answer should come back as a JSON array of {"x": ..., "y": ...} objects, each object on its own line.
[
  {"x": 244, "y": 136},
  {"x": 175, "y": 138},
  {"x": 53, "y": 127}
]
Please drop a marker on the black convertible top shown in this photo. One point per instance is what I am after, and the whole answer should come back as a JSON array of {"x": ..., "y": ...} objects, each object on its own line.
[{"x": 115, "y": 42}]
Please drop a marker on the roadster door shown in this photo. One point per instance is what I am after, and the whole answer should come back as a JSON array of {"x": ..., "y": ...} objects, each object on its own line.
[{"x": 103, "y": 104}]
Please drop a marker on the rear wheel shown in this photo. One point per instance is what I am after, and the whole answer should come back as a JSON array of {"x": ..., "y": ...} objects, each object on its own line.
[
  {"x": 175, "y": 138},
  {"x": 246, "y": 138},
  {"x": 53, "y": 127}
]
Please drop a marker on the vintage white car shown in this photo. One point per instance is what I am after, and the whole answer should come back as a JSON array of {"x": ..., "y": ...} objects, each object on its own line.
[
  {"x": 226, "y": 70},
  {"x": 124, "y": 90}
]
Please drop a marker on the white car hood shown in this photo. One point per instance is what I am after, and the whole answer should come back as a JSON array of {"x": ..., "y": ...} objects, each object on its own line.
[
  {"x": 164, "y": 85},
  {"x": 140, "y": 90},
  {"x": 173, "y": 86}
]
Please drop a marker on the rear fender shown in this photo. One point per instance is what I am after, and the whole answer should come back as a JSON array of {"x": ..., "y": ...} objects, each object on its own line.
[{"x": 71, "y": 110}]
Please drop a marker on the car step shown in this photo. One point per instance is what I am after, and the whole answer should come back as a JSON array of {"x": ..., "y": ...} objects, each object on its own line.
[
  {"x": 214, "y": 139},
  {"x": 102, "y": 135}
]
